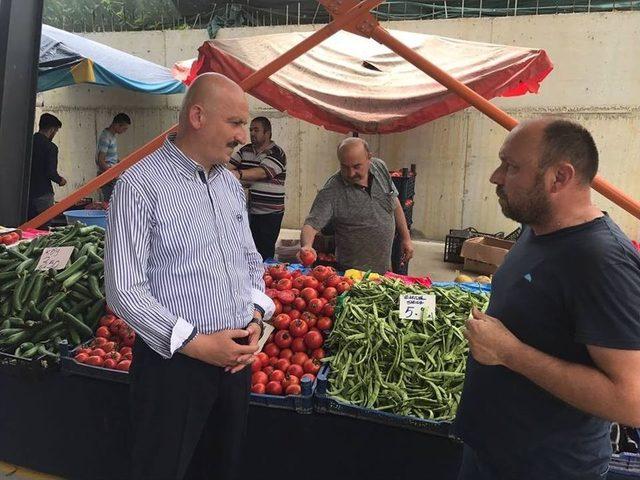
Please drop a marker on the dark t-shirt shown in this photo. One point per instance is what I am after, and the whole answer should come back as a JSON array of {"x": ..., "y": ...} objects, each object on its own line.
[
  {"x": 558, "y": 293},
  {"x": 44, "y": 166}
]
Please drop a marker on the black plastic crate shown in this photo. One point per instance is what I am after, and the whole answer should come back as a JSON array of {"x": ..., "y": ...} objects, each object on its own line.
[
  {"x": 302, "y": 403},
  {"x": 328, "y": 405},
  {"x": 26, "y": 367},
  {"x": 408, "y": 214},
  {"x": 406, "y": 184},
  {"x": 69, "y": 366}
]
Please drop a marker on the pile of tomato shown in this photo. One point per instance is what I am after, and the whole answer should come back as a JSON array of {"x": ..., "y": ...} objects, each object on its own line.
[
  {"x": 10, "y": 238},
  {"x": 304, "y": 315},
  {"x": 112, "y": 347}
]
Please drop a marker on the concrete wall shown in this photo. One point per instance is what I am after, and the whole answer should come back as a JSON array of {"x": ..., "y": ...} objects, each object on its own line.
[{"x": 595, "y": 81}]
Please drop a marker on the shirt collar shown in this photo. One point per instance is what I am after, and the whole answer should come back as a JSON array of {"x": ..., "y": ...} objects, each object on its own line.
[{"x": 185, "y": 165}]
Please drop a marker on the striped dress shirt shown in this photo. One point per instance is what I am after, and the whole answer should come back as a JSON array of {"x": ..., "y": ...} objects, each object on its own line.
[{"x": 179, "y": 255}]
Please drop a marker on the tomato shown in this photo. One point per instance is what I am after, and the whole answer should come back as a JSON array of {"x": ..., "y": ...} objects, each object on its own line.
[
  {"x": 274, "y": 388},
  {"x": 321, "y": 273},
  {"x": 310, "y": 319},
  {"x": 286, "y": 308},
  {"x": 330, "y": 293},
  {"x": 307, "y": 257},
  {"x": 299, "y": 358},
  {"x": 313, "y": 340},
  {"x": 109, "y": 363},
  {"x": 114, "y": 356},
  {"x": 325, "y": 323},
  {"x": 286, "y": 353},
  {"x": 311, "y": 366},
  {"x": 293, "y": 390},
  {"x": 298, "y": 328},
  {"x": 295, "y": 274},
  {"x": 98, "y": 352},
  {"x": 278, "y": 305},
  {"x": 295, "y": 370},
  {"x": 294, "y": 314},
  {"x": 258, "y": 388},
  {"x": 308, "y": 294},
  {"x": 282, "y": 322},
  {"x": 98, "y": 341},
  {"x": 94, "y": 360},
  {"x": 287, "y": 297},
  {"x": 309, "y": 376},
  {"x": 103, "y": 332},
  {"x": 283, "y": 339},
  {"x": 299, "y": 282},
  {"x": 81, "y": 357},
  {"x": 273, "y": 361},
  {"x": 271, "y": 350},
  {"x": 263, "y": 358},
  {"x": 259, "y": 377},
  {"x": 318, "y": 354},
  {"x": 271, "y": 337},
  {"x": 290, "y": 380},
  {"x": 271, "y": 293},
  {"x": 284, "y": 284},
  {"x": 125, "y": 350},
  {"x": 332, "y": 281},
  {"x": 343, "y": 287},
  {"x": 282, "y": 364},
  {"x": 268, "y": 280},
  {"x": 109, "y": 347},
  {"x": 116, "y": 326},
  {"x": 256, "y": 365},
  {"x": 324, "y": 301},
  {"x": 124, "y": 365},
  {"x": 315, "y": 306},
  {"x": 296, "y": 292},
  {"x": 129, "y": 339},
  {"x": 107, "y": 320},
  {"x": 298, "y": 345},
  {"x": 268, "y": 370},
  {"x": 300, "y": 304},
  {"x": 127, "y": 356},
  {"x": 311, "y": 282},
  {"x": 328, "y": 310},
  {"x": 279, "y": 271},
  {"x": 276, "y": 376},
  {"x": 84, "y": 350}
]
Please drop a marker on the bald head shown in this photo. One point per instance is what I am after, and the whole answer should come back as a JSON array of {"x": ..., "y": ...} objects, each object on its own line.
[
  {"x": 355, "y": 159},
  {"x": 351, "y": 144},
  {"x": 212, "y": 119}
]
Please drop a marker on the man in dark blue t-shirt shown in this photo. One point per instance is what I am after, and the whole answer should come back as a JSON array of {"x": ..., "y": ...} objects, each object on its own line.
[{"x": 557, "y": 356}]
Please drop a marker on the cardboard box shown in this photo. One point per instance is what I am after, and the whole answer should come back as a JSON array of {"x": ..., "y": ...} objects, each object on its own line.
[{"x": 484, "y": 254}]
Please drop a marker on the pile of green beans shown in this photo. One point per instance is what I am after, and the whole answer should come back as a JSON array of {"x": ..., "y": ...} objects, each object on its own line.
[{"x": 405, "y": 367}]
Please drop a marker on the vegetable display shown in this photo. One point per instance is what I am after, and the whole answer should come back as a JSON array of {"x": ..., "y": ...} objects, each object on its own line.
[{"x": 405, "y": 367}]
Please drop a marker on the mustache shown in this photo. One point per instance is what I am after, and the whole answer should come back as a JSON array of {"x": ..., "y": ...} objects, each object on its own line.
[
  {"x": 500, "y": 192},
  {"x": 233, "y": 144}
]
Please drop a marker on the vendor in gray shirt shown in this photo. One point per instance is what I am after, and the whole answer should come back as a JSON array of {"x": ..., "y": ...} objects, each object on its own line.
[{"x": 362, "y": 203}]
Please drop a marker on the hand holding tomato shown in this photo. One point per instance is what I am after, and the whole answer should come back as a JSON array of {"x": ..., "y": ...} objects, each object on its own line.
[
  {"x": 220, "y": 348},
  {"x": 307, "y": 256}
]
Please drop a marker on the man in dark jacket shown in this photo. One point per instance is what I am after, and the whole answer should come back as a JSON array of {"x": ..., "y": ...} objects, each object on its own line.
[{"x": 44, "y": 165}]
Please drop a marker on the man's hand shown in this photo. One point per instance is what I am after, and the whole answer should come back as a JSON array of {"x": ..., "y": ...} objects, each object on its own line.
[
  {"x": 63, "y": 181},
  {"x": 406, "y": 250},
  {"x": 220, "y": 348},
  {"x": 490, "y": 342},
  {"x": 236, "y": 173},
  {"x": 247, "y": 359}
]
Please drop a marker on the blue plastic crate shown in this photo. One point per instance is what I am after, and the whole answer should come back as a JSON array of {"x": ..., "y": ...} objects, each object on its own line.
[
  {"x": 326, "y": 404},
  {"x": 624, "y": 466},
  {"x": 302, "y": 403}
]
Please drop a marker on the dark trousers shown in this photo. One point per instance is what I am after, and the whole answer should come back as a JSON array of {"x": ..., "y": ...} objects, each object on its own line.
[
  {"x": 475, "y": 468},
  {"x": 265, "y": 230},
  {"x": 189, "y": 418}
]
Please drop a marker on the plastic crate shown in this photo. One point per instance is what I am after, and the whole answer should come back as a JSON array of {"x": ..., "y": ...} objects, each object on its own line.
[
  {"x": 406, "y": 184},
  {"x": 26, "y": 367},
  {"x": 624, "y": 466},
  {"x": 302, "y": 403},
  {"x": 327, "y": 405},
  {"x": 408, "y": 214},
  {"x": 69, "y": 366}
]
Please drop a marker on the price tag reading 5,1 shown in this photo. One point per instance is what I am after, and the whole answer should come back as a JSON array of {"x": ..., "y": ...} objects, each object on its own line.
[{"x": 416, "y": 307}]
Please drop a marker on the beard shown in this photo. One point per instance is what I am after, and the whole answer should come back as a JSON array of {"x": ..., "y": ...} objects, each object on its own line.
[{"x": 530, "y": 208}]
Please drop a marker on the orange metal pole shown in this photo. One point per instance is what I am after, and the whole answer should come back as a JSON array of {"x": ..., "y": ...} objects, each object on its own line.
[
  {"x": 599, "y": 184},
  {"x": 348, "y": 18}
]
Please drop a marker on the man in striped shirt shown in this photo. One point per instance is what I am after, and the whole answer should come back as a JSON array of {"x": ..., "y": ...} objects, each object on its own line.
[
  {"x": 182, "y": 269},
  {"x": 262, "y": 165}
]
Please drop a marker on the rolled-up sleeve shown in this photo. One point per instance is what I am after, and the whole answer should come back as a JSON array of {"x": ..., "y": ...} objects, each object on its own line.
[{"x": 127, "y": 248}]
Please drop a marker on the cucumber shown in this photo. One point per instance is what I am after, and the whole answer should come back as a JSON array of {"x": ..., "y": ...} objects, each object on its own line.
[
  {"x": 44, "y": 333},
  {"x": 71, "y": 269},
  {"x": 74, "y": 324},
  {"x": 53, "y": 303},
  {"x": 94, "y": 287}
]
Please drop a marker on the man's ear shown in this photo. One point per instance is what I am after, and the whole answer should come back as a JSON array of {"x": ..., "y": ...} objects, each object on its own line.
[{"x": 564, "y": 174}]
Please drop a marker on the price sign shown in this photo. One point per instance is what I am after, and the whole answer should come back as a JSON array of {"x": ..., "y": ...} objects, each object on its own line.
[
  {"x": 417, "y": 307},
  {"x": 54, "y": 257}
]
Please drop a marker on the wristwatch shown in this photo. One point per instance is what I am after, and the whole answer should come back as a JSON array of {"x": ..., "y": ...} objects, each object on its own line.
[{"x": 258, "y": 322}]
